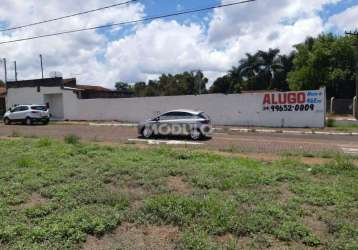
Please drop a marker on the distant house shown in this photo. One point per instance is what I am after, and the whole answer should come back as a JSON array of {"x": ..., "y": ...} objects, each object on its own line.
[{"x": 60, "y": 94}]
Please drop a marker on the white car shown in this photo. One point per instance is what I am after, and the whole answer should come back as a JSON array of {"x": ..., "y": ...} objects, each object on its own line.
[
  {"x": 27, "y": 114},
  {"x": 195, "y": 124}
]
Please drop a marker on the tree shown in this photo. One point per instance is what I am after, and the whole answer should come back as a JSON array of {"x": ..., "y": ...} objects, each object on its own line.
[
  {"x": 260, "y": 71},
  {"x": 140, "y": 89},
  {"x": 222, "y": 85},
  {"x": 187, "y": 83},
  {"x": 248, "y": 69},
  {"x": 269, "y": 66},
  {"x": 123, "y": 87},
  {"x": 325, "y": 61},
  {"x": 280, "y": 81}
]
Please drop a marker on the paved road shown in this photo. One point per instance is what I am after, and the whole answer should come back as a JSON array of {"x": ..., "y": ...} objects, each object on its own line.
[{"x": 235, "y": 141}]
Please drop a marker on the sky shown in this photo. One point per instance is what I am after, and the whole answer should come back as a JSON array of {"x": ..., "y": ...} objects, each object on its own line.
[{"x": 211, "y": 41}]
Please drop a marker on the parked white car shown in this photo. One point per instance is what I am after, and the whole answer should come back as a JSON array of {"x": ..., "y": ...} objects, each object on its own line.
[{"x": 27, "y": 114}]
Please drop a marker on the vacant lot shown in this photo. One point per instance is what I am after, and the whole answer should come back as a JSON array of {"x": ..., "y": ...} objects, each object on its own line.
[{"x": 58, "y": 195}]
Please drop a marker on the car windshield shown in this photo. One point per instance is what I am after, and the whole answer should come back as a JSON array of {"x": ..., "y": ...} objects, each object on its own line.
[{"x": 40, "y": 108}]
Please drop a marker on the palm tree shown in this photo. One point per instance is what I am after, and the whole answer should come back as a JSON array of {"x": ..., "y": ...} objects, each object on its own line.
[
  {"x": 269, "y": 65},
  {"x": 280, "y": 81},
  {"x": 247, "y": 71}
]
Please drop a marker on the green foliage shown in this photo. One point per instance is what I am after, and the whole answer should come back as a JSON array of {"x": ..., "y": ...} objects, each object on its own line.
[
  {"x": 72, "y": 139},
  {"x": 326, "y": 61},
  {"x": 331, "y": 123},
  {"x": 264, "y": 70},
  {"x": 124, "y": 87},
  {"x": 44, "y": 142},
  {"x": 186, "y": 83},
  {"x": 343, "y": 163},
  {"x": 197, "y": 240}
]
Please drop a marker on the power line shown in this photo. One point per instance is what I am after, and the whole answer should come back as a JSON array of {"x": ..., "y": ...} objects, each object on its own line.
[
  {"x": 68, "y": 16},
  {"x": 178, "y": 13}
]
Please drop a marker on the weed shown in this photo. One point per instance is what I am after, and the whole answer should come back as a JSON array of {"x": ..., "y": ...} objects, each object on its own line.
[
  {"x": 196, "y": 239},
  {"x": 44, "y": 142},
  {"x": 331, "y": 123},
  {"x": 343, "y": 163},
  {"x": 72, "y": 139}
]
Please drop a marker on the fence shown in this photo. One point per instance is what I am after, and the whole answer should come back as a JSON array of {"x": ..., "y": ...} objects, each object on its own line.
[{"x": 341, "y": 106}]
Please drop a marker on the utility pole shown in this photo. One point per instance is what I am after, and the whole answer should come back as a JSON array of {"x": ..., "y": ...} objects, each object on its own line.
[
  {"x": 42, "y": 68},
  {"x": 197, "y": 80},
  {"x": 15, "y": 67},
  {"x": 5, "y": 70},
  {"x": 355, "y": 34}
]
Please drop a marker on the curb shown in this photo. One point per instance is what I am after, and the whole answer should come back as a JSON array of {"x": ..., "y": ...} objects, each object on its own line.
[
  {"x": 244, "y": 130},
  {"x": 113, "y": 124},
  {"x": 295, "y": 132}
]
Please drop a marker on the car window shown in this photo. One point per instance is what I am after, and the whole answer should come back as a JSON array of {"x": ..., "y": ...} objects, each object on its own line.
[
  {"x": 175, "y": 116},
  {"x": 17, "y": 109},
  {"x": 24, "y": 108},
  {"x": 39, "y": 108}
]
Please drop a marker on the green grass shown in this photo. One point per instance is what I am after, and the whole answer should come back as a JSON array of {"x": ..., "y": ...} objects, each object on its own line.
[
  {"x": 331, "y": 123},
  {"x": 54, "y": 194}
]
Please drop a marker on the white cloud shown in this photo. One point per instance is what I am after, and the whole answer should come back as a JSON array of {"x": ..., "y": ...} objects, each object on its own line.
[
  {"x": 346, "y": 20},
  {"x": 163, "y": 47},
  {"x": 74, "y": 54}
]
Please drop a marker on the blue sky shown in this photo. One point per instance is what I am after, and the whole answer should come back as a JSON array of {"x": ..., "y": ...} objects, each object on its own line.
[
  {"x": 211, "y": 41},
  {"x": 157, "y": 7}
]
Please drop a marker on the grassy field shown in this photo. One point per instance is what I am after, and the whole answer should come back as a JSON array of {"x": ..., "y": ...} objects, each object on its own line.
[{"x": 69, "y": 195}]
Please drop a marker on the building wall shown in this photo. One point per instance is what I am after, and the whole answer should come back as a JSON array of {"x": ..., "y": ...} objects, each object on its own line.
[
  {"x": 236, "y": 109},
  {"x": 29, "y": 95},
  {"x": 251, "y": 109}
]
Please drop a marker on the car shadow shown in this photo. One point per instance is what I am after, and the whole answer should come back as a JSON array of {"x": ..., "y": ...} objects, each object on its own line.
[{"x": 175, "y": 138}]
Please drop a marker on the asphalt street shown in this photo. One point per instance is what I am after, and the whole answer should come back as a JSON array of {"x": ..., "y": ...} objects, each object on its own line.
[{"x": 225, "y": 140}]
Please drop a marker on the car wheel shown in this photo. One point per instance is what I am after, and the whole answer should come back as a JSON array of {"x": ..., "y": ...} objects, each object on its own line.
[
  {"x": 28, "y": 121},
  {"x": 195, "y": 134},
  {"x": 46, "y": 122},
  {"x": 7, "y": 121},
  {"x": 147, "y": 132}
]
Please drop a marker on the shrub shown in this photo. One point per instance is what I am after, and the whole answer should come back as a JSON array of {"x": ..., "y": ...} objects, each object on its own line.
[
  {"x": 72, "y": 139},
  {"x": 331, "y": 123},
  {"x": 44, "y": 142},
  {"x": 343, "y": 163}
]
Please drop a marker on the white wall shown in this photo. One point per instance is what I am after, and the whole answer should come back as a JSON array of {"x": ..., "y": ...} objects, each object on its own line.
[
  {"x": 236, "y": 109},
  {"x": 29, "y": 95}
]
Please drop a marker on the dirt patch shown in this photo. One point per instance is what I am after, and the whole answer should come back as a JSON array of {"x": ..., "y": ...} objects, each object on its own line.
[
  {"x": 319, "y": 228},
  {"x": 34, "y": 200},
  {"x": 177, "y": 184},
  {"x": 130, "y": 236},
  {"x": 285, "y": 193},
  {"x": 225, "y": 238},
  {"x": 130, "y": 188}
]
